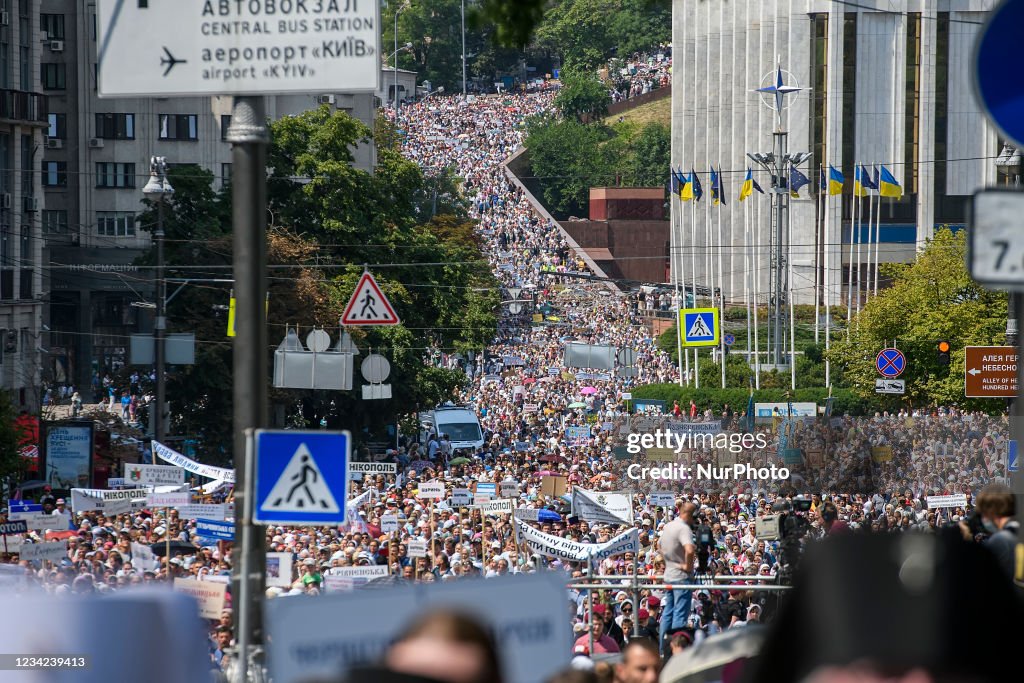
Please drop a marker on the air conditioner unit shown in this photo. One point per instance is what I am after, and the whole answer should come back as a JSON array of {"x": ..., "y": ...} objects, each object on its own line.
[
  {"x": 54, "y": 143},
  {"x": 56, "y": 46},
  {"x": 96, "y": 143},
  {"x": 5, "y": 18},
  {"x": 31, "y": 203},
  {"x": 325, "y": 99},
  {"x": 5, "y": 200}
]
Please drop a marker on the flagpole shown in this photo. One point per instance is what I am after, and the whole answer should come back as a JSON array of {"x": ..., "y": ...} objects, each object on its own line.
[
  {"x": 860, "y": 220},
  {"x": 675, "y": 274},
  {"x": 693, "y": 276},
  {"x": 746, "y": 275},
  {"x": 755, "y": 272},
  {"x": 867, "y": 274},
  {"x": 789, "y": 293},
  {"x": 817, "y": 247},
  {"x": 681, "y": 255},
  {"x": 828, "y": 286},
  {"x": 853, "y": 231},
  {"x": 878, "y": 235},
  {"x": 721, "y": 279}
]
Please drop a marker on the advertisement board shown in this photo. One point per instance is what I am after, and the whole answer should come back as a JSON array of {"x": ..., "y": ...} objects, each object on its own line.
[{"x": 67, "y": 455}]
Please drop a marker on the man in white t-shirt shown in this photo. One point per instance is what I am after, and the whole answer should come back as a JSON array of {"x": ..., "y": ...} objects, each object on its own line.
[{"x": 677, "y": 547}]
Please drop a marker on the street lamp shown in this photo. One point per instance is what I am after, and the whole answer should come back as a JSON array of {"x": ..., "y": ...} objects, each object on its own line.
[
  {"x": 393, "y": 55},
  {"x": 159, "y": 187},
  {"x": 463, "y": 49},
  {"x": 398, "y": 11}
]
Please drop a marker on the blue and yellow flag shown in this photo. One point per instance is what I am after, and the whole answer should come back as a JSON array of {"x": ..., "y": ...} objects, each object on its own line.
[
  {"x": 686, "y": 189},
  {"x": 888, "y": 186},
  {"x": 865, "y": 179},
  {"x": 835, "y": 180},
  {"x": 859, "y": 186},
  {"x": 717, "y": 187},
  {"x": 747, "y": 188},
  {"x": 796, "y": 180},
  {"x": 698, "y": 191}
]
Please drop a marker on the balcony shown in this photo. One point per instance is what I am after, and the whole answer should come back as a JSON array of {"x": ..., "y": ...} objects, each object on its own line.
[{"x": 18, "y": 106}]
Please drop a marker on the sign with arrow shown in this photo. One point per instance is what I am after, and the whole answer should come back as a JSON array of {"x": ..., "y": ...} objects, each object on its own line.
[
  {"x": 368, "y": 305},
  {"x": 161, "y": 48},
  {"x": 990, "y": 372}
]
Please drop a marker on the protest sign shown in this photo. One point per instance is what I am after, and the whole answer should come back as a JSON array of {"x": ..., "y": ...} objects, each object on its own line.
[
  {"x": 528, "y": 514},
  {"x": 178, "y": 460},
  {"x": 204, "y": 510},
  {"x": 602, "y": 507},
  {"x": 462, "y": 497},
  {"x": 416, "y": 547},
  {"x": 553, "y": 486},
  {"x": 54, "y": 552},
  {"x": 502, "y": 506},
  {"x": 209, "y": 595},
  {"x": 347, "y": 578},
  {"x": 565, "y": 549},
  {"x": 957, "y": 500},
  {"x": 431, "y": 489},
  {"x": 662, "y": 499},
  {"x": 388, "y": 523},
  {"x": 18, "y": 527},
  {"x": 215, "y": 529},
  {"x": 373, "y": 467},
  {"x": 40, "y": 521},
  {"x": 508, "y": 489},
  {"x": 279, "y": 569},
  {"x": 525, "y": 613},
  {"x": 143, "y": 557},
  {"x": 155, "y": 475},
  {"x": 168, "y": 500}
]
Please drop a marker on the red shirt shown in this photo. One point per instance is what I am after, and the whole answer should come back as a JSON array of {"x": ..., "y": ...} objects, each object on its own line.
[{"x": 604, "y": 644}]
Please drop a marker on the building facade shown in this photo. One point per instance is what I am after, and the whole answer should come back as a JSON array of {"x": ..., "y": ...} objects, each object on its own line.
[
  {"x": 883, "y": 83},
  {"x": 22, "y": 126},
  {"x": 95, "y": 162}
]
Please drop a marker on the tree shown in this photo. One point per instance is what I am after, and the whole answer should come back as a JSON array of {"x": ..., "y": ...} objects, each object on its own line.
[
  {"x": 566, "y": 158},
  {"x": 650, "y": 152},
  {"x": 932, "y": 299},
  {"x": 582, "y": 95}
]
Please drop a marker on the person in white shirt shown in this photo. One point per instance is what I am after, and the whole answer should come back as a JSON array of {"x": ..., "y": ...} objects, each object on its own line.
[{"x": 680, "y": 553}]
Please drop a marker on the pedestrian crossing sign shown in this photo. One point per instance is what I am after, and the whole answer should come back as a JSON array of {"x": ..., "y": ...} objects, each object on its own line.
[
  {"x": 368, "y": 305},
  {"x": 301, "y": 477},
  {"x": 700, "y": 326}
]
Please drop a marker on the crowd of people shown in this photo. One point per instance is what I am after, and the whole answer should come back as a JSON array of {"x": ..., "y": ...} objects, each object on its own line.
[
  {"x": 553, "y": 429},
  {"x": 641, "y": 73}
]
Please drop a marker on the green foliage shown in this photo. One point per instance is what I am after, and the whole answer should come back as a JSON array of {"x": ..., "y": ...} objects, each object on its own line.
[
  {"x": 582, "y": 94},
  {"x": 566, "y": 158},
  {"x": 930, "y": 300},
  {"x": 845, "y": 401},
  {"x": 327, "y": 220},
  {"x": 648, "y": 157}
]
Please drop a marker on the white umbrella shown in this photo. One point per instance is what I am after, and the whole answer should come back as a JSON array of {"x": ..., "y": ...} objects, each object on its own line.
[{"x": 703, "y": 662}]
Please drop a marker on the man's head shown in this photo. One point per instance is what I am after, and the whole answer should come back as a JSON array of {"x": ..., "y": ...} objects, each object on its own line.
[
  {"x": 223, "y": 636},
  {"x": 685, "y": 510},
  {"x": 996, "y": 506},
  {"x": 641, "y": 662}
]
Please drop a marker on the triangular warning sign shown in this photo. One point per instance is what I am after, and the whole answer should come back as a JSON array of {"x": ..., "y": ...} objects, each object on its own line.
[
  {"x": 368, "y": 305},
  {"x": 699, "y": 329},
  {"x": 301, "y": 487}
]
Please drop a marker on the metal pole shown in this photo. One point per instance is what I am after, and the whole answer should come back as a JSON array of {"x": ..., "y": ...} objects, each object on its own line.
[
  {"x": 778, "y": 347},
  {"x": 160, "y": 325},
  {"x": 590, "y": 606},
  {"x": 249, "y": 137},
  {"x": 1017, "y": 432},
  {"x": 463, "y": 48},
  {"x": 396, "y": 64}
]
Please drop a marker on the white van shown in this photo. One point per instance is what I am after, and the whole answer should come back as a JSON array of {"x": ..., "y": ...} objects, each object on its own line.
[{"x": 461, "y": 424}]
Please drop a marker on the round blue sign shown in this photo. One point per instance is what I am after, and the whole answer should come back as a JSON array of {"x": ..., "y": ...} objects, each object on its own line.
[
  {"x": 998, "y": 79},
  {"x": 729, "y": 339},
  {"x": 891, "y": 363}
]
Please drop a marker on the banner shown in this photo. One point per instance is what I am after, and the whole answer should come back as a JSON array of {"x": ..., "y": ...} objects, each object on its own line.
[
  {"x": 373, "y": 467},
  {"x": 218, "y": 511},
  {"x": 347, "y": 578},
  {"x": 577, "y": 435},
  {"x": 178, "y": 460},
  {"x": 957, "y": 500},
  {"x": 41, "y": 521},
  {"x": 279, "y": 569},
  {"x": 601, "y": 507},
  {"x": 362, "y": 499},
  {"x": 461, "y": 497},
  {"x": 155, "y": 475},
  {"x": 215, "y": 529},
  {"x": 431, "y": 489},
  {"x": 565, "y": 549},
  {"x": 501, "y": 506},
  {"x": 54, "y": 552},
  {"x": 168, "y": 500},
  {"x": 677, "y": 427},
  {"x": 209, "y": 595},
  {"x": 86, "y": 500}
]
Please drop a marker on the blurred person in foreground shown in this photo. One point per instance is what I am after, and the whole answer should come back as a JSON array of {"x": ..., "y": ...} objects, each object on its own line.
[
  {"x": 441, "y": 647},
  {"x": 641, "y": 662},
  {"x": 996, "y": 506}
]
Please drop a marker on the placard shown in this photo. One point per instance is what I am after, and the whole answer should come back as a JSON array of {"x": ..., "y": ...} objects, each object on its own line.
[
  {"x": 509, "y": 489},
  {"x": 461, "y": 497},
  {"x": 502, "y": 506},
  {"x": 279, "y": 569},
  {"x": 204, "y": 510},
  {"x": 154, "y": 475},
  {"x": 208, "y": 594},
  {"x": 348, "y": 578},
  {"x": 431, "y": 489},
  {"x": 53, "y": 552},
  {"x": 388, "y": 523},
  {"x": 957, "y": 500},
  {"x": 168, "y": 500},
  {"x": 662, "y": 499},
  {"x": 373, "y": 467},
  {"x": 416, "y": 547}
]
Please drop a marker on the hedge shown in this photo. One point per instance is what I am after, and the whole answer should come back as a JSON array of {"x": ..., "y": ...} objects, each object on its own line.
[{"x": 845, "y": 402}]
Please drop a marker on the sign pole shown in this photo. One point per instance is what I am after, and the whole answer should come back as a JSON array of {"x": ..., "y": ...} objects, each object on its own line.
[
  {"x": 249, "y": 138},
  {"x": 167, "y": 540},
  {"x": 1017, "y": 432}
]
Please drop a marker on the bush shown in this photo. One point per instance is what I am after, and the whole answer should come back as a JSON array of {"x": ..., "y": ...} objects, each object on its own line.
[{"x": 715, "y": 398}]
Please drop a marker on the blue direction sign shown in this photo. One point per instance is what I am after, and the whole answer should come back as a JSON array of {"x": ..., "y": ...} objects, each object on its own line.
[
  {"x": 729, "y": 339},
  {"x": 998, "y": 79},
  {"x": 1012, "y": 463},
  {"x": 891, "y": 363},
  {"x": 301, "y": 477}
]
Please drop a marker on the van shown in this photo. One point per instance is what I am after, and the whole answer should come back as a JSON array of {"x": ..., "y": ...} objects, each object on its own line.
[{"x": 461, "y": 424}]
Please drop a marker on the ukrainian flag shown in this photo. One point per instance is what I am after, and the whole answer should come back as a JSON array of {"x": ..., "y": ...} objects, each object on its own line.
[
  {"x": 835, "y": 180},
  {"x": 698, "y": 191},
  {"x": 888, "y": 186},
  {"x": 859, "y": 186},
  {"x": 686, "y": 190},
  {"x": 747, "y": 188}
]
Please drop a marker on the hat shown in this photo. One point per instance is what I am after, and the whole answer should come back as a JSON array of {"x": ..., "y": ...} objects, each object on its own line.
[
  {"x": 309, "y": 562},
  {"x": 643, "y": 615},
  {"x": 60, "y": 501},
  {"x": 653, "y": 601},
  {"x": 600, "y": 609}
]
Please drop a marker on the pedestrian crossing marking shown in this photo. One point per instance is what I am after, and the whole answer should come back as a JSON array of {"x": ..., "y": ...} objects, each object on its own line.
[
  {"x": 699, "y": 326},
  {"x": 301, "y": 487},
  {"x": 368, "y": 305}
]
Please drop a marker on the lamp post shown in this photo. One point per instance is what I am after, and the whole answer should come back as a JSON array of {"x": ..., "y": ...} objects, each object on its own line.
[
  {"x": 1008, "y": 169},
  {"x": 463, "y": 48},
  {"x": 397, "y": 12},
  {"x": 159, "y": 188},
  {"x": 394, "y": 55}
]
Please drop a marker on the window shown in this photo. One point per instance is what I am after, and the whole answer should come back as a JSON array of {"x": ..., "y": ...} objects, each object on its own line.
[
  {"x": 115, "y": 126},
  {"x": 225, "y": 174},
  {"x": 25, "y": 50},
  {"x": 225, "y": 123},
  {"x": 5, "y": 63},
  {"x": 28, "y": 180},
  {"x": 115, "y": 223},
  {"x": 53, "y": 24},
  {"x": 179, "y": 127},
  {"x": 5, "y": 162},
  {"x": 54, "y": 77},
  {"x": 26, "y": 245},
  {"x": 55, "y": 174},
  {"x": 58, "y": 126},
  {"x": 55, "y": 222},
  {"x": 6, "y": 257},
  {"x": 115, "y": 174}
]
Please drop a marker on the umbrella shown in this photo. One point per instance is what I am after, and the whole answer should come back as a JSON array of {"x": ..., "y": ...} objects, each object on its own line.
[
  {"x": 553, "y": 457},
  {"x": 548, "y": 516},
  {"x": 420, "y": 465},
  {"x": 577, "y": 404},
  {"x": 705, "y": 660},
  {"x": 588, "y": 390},
  {"x": 460, "y": 461},
  {"x": 529, "y": 380},
  {"x": 160, "y": 549}
]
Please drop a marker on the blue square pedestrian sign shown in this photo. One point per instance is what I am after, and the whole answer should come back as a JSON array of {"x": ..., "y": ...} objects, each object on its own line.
[
  {"x": 1012, "y": 463},
  {"x": 699, "y": 326},
  {"x": 301, "y": 477}
]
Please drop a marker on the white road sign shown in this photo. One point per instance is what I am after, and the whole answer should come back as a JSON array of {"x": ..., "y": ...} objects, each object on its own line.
[
  {"x": 995, "y": 252},
  {"x": 890, "y": 386},
  {"x": 237, "y": 47}
]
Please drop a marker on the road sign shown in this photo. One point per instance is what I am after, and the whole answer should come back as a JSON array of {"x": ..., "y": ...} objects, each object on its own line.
[
  {"x": 995, "y": 242},
  {"x": 890, "y": 386},
  {"x": 730, "y": 339},
  {"x": 890, "y": 363},
  {"x": 990, "y": 372},
  {"x": 998, "y": 86},
  {"x": 1012, "y": 464},
  {"x": 258, "y": 47},
  {"x": 301, "y": 477},
  {"x": 699, "y": 326},
  {"x": 368, "y": 305}
]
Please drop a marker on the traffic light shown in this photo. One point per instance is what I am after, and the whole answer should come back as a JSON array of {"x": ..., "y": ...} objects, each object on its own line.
[{"x": 942, "y": 350}]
